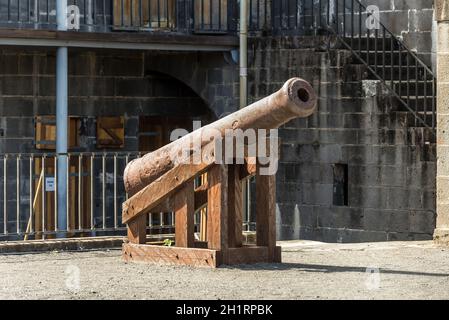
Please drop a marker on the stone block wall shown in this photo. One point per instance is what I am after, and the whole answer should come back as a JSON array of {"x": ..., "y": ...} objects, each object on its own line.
[
  {"x": 390, "y": 185},
  {"x": 100, "y": 83},
  {"x": 413, "y": 20}
]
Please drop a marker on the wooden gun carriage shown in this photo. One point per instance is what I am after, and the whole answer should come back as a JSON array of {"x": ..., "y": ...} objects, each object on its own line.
[{"x": 165, "y": 180}]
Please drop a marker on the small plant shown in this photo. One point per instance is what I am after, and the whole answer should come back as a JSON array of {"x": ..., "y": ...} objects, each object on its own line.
[{"x": 168, "y": 242}]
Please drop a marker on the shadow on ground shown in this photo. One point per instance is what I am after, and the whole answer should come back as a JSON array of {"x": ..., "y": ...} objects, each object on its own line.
[{"x": 326, "y": 269}]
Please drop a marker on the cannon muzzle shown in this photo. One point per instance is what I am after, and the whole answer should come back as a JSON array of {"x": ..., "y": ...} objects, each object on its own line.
[{"x": 296, "y": 99}]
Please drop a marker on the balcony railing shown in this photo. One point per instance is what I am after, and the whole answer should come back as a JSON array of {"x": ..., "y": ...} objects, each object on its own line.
[
  {"x": 28, "y": 202},
  {"x": 183, "y": 16}
]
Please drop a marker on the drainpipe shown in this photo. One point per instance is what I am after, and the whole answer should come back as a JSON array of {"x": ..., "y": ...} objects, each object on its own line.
[
  {"x": 244, "y": 88},
  {"x": 243, "y": 53},
  {"x": 61, "y": 121}
]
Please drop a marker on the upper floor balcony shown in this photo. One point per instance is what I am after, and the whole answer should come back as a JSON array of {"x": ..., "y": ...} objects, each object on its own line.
[{"x": 93, "y": 22}]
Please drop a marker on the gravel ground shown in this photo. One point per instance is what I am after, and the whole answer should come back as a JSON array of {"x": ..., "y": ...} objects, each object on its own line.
[{"x": 412, "y": 270}]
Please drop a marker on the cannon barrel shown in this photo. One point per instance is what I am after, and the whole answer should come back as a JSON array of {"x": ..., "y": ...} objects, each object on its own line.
[{"x": 296, "y": 99}]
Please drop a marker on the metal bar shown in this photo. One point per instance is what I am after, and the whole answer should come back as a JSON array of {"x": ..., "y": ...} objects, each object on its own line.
[
  {"x": 416, "y": 92},
  {"x": 376, "y": 38},
  {"x": 392, "y": 62},
  {"x": 336, "y": 16},
  {"x": 344, "y": 18},
  {"x": 384, "y": 54},
  {"x": 115, "y": 193},
  {"x": 68, "y": 193},
  {"x": 31, "y": 207},
  {"x": 92, "y": 227},
  {"x": 433, "y": 103},
  {"x": 400, "y": 68},
  {"x": 360, "y": 28},
  {"x": 408, "y": 79},
  {"x": 5, "y": 200},
  {"x": 43, "y": 195},
  {"x": 103, "y": 190},
  {"x": 18, "y": 194},
  {"x": 56, "y": 195},
  {"x": 80, "y": 190},
  {"x": 425, "y": 94}
]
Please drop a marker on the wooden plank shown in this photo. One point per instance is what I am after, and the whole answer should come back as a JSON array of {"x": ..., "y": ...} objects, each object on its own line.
[
  {"x": 184, "y": 216},
  {"x": 110, "y": 132},
  {"x": 141, "y": 37},
  {"x": 235, "y": 207},
  {"x": 266, "y": 212},
  {"x": 200, "y": 201},
  {"x": 137, "y": 230},
  {"x": 253, "y": 254},
  {"x": 217, "y": 211},
  {"x": 165, "y": 186},
  {"x": 170, "y": 255},
  {"x": 159, "y": 190},
  {"x": 249, "y": 169}
]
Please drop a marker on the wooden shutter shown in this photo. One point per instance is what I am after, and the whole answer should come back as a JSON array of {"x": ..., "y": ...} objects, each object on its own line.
[
  {"x": 110, "y": 132},
  {"x": 45, "y": 132}
]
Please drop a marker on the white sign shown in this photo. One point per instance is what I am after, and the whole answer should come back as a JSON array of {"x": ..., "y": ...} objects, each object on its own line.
[{"x": 50, "y": 184}]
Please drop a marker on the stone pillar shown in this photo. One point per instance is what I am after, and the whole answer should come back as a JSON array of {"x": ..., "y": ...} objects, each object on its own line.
[{"x": 442, "y": 15}]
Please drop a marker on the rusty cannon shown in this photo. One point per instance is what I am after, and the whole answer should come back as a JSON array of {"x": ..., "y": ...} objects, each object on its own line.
[{"x": 166, "y": 178}]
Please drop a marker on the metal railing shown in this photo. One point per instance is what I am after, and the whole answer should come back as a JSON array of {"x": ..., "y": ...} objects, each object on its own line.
[
  {"x": 386, "y": 57},
  {"x": 184, "y": 16},
  {"x": 94, "y": 199}
]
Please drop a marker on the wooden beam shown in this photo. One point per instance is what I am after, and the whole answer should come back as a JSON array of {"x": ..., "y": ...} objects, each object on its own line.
[
  {"x": 171, "y": 255},
  {"x": 161, "y": 189},
  {"x": 217, "y": 210},
  {"x": 165, "y": 186},
  {"x": 266, "y": 212},
  {"x": 200, "y": 201},
  {"x": 249, "y": 169},
  {"x": 253, "y": 254},
  {"x": 137, "y": 230},
  {"x": 235, "y": 207},
  {"x": 184, "y": 216},
  {"x": 111, "y": 39}
]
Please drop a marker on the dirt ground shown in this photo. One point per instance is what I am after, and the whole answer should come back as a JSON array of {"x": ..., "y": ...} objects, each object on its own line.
[{"x": 413, "y": 270}]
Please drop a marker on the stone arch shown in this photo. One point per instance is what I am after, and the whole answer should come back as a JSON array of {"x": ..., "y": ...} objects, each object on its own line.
[{"x": 208, "y": 74}]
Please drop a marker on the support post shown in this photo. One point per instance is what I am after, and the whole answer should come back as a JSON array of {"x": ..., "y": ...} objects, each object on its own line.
[
  {"x": 266, "y": 214},
  {"x": 441, "y": 234},
  {"x": 62, "y": 120},
  {"x": 235, "y": 207},
  {"x": 184, "y": 216},
  {"x": 137, "y": 230},
  {"x": 217, "y": 210}
]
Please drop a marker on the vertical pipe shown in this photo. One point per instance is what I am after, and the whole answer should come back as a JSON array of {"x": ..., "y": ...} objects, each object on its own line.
[
  {"x": 243, "y": 53},
  {"x": 62, "y": 117}
]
